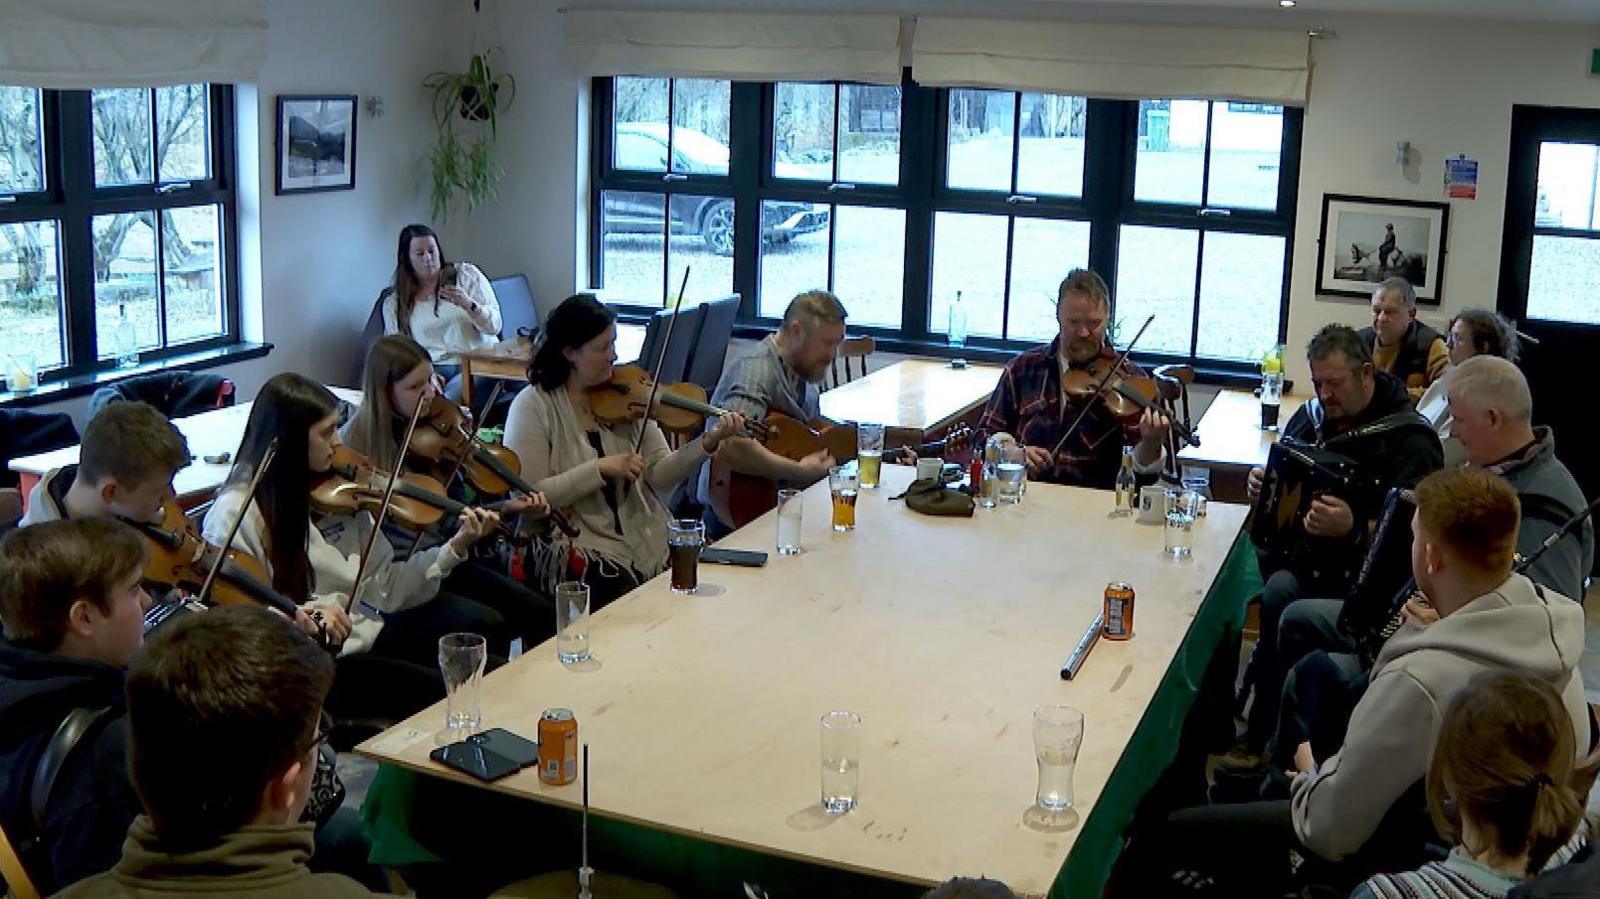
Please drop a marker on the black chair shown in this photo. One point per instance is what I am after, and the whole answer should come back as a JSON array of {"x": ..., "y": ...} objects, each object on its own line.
[
  {"x": 25, "y": 433},
  {"x": 175, "y": 394},
  {"x": 369, "y": 336},
  {"x": 519, "y": 315},
  {"x": 675, "y": 366},
  {"x": 711, "y": 344}
]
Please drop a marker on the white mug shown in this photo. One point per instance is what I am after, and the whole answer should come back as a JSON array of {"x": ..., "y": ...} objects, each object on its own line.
[
  {"x": 930, "y": 468},
  {"x": 1153, "y": 504}
]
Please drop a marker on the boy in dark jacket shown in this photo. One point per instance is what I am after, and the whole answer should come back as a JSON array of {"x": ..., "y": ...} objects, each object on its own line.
[{"x": 72, "y": 606}]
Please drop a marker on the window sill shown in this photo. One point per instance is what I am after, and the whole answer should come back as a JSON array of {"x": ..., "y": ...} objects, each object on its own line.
[{"x": 83, "y": 385}]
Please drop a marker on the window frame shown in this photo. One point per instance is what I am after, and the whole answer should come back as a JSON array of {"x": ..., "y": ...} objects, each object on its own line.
[
  {"x": 1106, "y": 204},
  {"x": 71, "y": 199}
]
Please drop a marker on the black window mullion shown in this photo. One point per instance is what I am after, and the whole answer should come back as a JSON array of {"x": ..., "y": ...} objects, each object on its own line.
[
  {"x": 1205, "y": 157},
  {"x": 75, "y": 147},
  {"x": 1016, "y": 150},
  {"x": 838, "y": 110},
  {"x": 158, "y": 218},
  {"x": 1199, "y": 272},
  {"x": 923, "y": 112},
  {"x": 1005, "y": 287},
  {"x": 155, "y": 133}
]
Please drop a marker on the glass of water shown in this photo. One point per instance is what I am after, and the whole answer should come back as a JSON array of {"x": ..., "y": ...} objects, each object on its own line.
[
  {"x": 869, "y": 453},
  {"x": 1011, "y": 472},
  {"x": 841, "y": 761},
  {"x": 572, "y": 622},
  {"x": 789, "y": 505},
  {"x": 1057, "y": 736},
  {"x": 1180, "y": 523},
  {"x": 461, "y": 661}
]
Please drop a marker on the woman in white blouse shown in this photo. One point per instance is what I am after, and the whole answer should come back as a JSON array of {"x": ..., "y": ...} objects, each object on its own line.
[{"x": 447, "y": 307}]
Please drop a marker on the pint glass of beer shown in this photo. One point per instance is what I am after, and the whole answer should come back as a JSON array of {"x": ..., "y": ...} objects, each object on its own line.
[
  {"x": 685, "y": 537},
  {"x": 843, "y": 483}
]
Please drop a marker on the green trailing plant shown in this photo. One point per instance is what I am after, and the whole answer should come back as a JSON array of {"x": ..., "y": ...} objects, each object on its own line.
[{"x": 467, "y": 108}]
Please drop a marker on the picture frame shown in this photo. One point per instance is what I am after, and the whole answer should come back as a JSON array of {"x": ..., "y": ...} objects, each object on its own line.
[
  {"x": 1366, "y": 240},
  {"x": 316, "y": 143}
]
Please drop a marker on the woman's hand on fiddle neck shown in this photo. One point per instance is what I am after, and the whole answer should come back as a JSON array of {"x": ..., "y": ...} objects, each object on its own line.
[
  {"x": 533, "y": 504},
  {"x": 475, "y": 525},
  {"x": 730, "y": 425}
]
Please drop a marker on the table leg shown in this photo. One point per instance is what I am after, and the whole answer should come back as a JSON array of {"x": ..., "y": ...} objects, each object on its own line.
[{"x": 466, "y": 381}]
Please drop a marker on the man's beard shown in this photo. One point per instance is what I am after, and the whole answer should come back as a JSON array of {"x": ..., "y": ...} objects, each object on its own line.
[{"x": 1083, "y": 350}]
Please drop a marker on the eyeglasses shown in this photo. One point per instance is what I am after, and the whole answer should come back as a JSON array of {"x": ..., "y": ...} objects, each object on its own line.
[{"x": 322, "y": 733}]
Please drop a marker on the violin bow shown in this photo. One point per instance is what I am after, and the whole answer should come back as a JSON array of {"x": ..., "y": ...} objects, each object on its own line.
[
  {"x": 1104, "y": 380},
  {"x": 661, "y": 359},
  {"x": 383, "y": 511},
  {"x": 233, "y": 529}
]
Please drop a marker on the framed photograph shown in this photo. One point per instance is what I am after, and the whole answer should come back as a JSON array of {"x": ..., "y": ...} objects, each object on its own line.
[
  {"x": 1367, "y": 240},
  {"x": 316, "y": 143}
]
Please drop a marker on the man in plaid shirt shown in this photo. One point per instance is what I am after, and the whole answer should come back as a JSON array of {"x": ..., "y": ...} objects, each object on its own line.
[{"x": 1029, "y": 405}]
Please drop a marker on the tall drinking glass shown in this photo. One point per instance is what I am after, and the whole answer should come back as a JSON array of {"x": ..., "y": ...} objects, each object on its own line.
[
  {"x": 843, "y": 484},
  {"x": 572, "y": 622},
  {"x": 685, "y": 537},
  {"x": 869, "y": 453},
  {"x": 1180, "y": 523},
  {"x": 1198, "y": 479},
  {"x": 461, "y": 661},
  {"x": 841, "y": 761},
  {"x": 789, "y": 506},
  {"x": 1057, "y": 735},
  {"x": 1271, "y": 399},
  {"x": 1011, "y": 472}
]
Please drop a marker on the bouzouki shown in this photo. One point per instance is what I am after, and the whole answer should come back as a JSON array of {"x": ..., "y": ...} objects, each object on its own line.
[{"x": 741, "y": 498}]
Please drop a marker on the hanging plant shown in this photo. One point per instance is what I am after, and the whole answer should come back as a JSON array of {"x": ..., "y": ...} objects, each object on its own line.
[{"x": 464, "y": 164}]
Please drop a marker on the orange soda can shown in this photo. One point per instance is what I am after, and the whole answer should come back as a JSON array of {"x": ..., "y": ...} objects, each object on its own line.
[
  {"x": 558, "y": 747},
  {"x": 1119, "y": 611}
]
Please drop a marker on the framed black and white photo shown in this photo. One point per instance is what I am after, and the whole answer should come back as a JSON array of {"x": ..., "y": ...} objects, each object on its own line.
[
  {"x": 1366, "y": 240},
  {"x": 316, "y": 143}
]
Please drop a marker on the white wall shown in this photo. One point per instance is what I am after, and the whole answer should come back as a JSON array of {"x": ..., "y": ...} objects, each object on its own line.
[
  {"x": 312, "y": 263},
  {"x": 1446, "y": 86}
]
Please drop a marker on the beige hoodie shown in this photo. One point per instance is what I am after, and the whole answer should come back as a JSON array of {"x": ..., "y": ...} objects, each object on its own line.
[{"x": 1338, "y": 807}]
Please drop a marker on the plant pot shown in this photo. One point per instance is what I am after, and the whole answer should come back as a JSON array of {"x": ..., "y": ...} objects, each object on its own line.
[{"x": 473, "y": 107}]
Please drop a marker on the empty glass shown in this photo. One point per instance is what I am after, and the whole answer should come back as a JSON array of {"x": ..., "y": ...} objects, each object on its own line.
[
  {"x": 869, "y": 453},
  {"x": 789, "y": 506},
  {"x": 572, "y": 622},
  {"x": 1057, "y": 736},
  {"x": 1181, "y": 509},
  {"x": 461, "y": 661},
  {"x": 1198, "y": 479},
  {"x": 841, "y": 761}
]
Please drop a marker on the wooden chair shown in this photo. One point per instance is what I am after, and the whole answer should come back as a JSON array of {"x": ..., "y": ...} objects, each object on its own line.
[
  {"x": 10, "y": 508},
  {"x": 852, "y": 348},
  {"x": 16, "y": 877},
  {"x": 1173, "y": 383}
]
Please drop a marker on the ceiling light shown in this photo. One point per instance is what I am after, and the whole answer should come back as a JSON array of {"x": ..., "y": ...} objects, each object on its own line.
[{"x": 1286, "y": 4}]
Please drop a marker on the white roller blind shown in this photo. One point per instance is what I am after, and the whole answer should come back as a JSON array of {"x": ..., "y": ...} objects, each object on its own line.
[
  {"x": 737, "y": 46},
  {"x": 76, "y": 44},
  {"x": 1113, "y": 61}
]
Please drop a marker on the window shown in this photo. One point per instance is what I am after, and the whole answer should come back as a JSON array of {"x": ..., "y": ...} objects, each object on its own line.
[
  {"x": 900, "y": 198},
  {"x": 121, "y": 244}
]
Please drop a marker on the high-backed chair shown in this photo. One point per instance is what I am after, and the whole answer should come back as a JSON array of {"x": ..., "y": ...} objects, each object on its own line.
[
  {"x": 24, "y": 432},
  {"x": 711, "y": 345},
  {"x": 676, "y": 364},
  {"x": 519, "y": 315},
  {"x": 369, "y": 336},
  {"x": 852, "y": 348}
]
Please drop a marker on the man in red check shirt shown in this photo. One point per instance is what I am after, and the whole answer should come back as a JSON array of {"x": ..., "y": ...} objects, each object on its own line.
[{"x": 1029, "y": 405}]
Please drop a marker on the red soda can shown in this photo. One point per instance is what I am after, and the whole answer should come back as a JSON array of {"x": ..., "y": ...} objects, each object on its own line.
[
  {"x": 1118, "y": 611},
  {"x": 558, "y": 747}
]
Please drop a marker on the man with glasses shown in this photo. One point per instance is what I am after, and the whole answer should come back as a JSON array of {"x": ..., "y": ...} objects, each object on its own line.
[
  {"x": 225, "y": 721},
  {"x": 1030, "y": 405}
]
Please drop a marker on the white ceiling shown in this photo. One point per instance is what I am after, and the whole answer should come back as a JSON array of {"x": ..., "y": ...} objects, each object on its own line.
[{"x": 1586, "y": 11}]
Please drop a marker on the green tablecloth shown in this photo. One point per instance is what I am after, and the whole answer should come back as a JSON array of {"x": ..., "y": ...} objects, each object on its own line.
[{"x": 543, "y": 837}]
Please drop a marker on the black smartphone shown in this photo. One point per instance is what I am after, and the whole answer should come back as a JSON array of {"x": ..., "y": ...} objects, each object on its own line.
[
  {"x": 476, "y": 760},
  {"x": 504, "y": 743},
  {"x": 748, "y": 558}
]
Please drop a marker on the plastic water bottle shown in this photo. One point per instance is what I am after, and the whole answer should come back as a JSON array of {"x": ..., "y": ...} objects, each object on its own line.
[
  {"x": 957, "y": 330},
  {"x": 125, "y": 339}
]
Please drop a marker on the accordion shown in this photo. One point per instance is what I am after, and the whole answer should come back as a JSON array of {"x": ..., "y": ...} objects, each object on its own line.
[
  {"x": 1384, "y": 581},
  {"x": 1296, "y": 474}
]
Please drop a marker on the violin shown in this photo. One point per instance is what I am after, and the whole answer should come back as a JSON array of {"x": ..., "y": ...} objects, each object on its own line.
[
  {"x": 489, "y": 468},
  {"x": 1126, "y": 398},
  {"x": 680, "y": 408},
  {"x": 418, "y": 504},
  {"x": 181, "y": 558}
]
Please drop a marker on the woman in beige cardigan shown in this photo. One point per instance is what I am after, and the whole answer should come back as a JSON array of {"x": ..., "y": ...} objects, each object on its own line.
[{"x": 591, "y": 468}]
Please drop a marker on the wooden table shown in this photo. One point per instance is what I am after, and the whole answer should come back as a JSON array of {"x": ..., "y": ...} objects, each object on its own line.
[
  {"x": 208, "y": 433},
  {"x": 943, "y": 634},
  {"x": 508, "y": 360},
  {"x": 1232, "y": 441},
  {"x": 913, "y": 398}
]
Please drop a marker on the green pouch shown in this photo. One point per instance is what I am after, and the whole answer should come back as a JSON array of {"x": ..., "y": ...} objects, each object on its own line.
[{"x": 930, "y": 497}]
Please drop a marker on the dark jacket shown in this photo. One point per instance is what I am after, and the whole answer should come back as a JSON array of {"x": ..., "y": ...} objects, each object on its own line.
[
  {"x": 1412, "y": 360},
  {"x": 1549, "y": 496},
  {"x": 1577, "y": 879},
  {"x": 92, "y": 800},
  {"x": 259, "y": 860}
]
